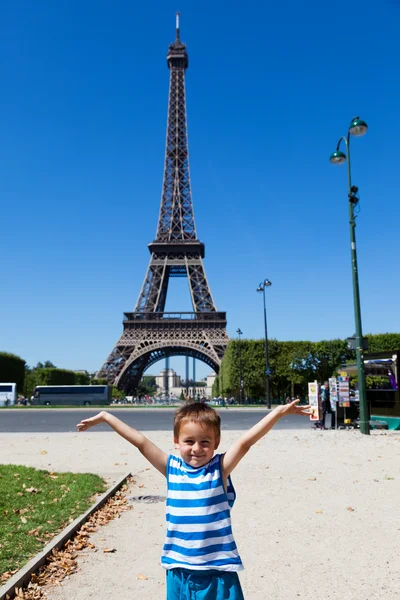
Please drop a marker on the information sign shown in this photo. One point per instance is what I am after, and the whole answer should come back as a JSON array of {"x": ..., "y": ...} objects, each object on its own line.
[
  {"x": 333, "y": 396},
  {"x": 344, "y": 392},
  {"x": 313, "y": 401}
]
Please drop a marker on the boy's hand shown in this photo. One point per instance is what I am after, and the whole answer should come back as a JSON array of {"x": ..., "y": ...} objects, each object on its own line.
[
  {"x": 293, "y": 409},
  {"x": 87, "y": 423}
]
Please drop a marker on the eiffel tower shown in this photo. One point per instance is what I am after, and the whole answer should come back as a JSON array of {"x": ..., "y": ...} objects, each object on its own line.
[{"x": 150, "y": 334}]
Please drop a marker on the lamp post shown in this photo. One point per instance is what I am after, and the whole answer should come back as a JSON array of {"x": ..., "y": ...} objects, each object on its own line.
[
  {"x": 240, "y": 332},
  {"x": 261, "y": 288},
  {"x": 357, "y": 127}
]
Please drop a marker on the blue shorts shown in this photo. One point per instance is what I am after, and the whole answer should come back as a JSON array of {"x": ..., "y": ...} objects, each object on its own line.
[{"x": 186, "y": 584}]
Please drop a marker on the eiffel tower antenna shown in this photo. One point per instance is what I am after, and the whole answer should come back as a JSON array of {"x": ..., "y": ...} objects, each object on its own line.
[
  {"x": 177, "y": 27},
  {"x": 149, "y": 333}
]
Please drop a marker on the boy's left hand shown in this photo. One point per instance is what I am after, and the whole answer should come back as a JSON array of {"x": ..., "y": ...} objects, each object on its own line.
[{"x": 293, "y": 409}]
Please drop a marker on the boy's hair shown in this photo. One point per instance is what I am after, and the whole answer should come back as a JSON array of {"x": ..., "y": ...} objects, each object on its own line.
[{"x": 197, "y": 412}]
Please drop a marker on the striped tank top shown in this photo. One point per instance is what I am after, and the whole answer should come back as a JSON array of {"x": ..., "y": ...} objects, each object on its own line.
[{"x": 199, "y": 531}]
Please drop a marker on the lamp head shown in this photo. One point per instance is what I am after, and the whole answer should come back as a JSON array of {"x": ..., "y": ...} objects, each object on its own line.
[
  {"x": 358, "y": 127},
  {"x": 267, "y": 283},
  {"x": 337, "y": 158},
  {"x": 260, "y": 288},
  {"x": 239, "y": 331}
]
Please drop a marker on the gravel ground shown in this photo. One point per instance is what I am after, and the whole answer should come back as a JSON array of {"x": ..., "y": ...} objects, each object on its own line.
[{"x": 317, "y": 514}]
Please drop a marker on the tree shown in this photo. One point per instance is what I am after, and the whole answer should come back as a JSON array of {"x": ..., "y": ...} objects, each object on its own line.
[
  {"x": 116, "y": 393},
  {"x": 46, "y": 365},
  {"x": 215, "y": 387},
  {"x": 147, "y": 387},
  {"x": 99, "y": 381}
]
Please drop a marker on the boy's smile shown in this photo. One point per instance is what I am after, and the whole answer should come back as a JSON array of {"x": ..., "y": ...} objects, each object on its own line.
[{"x": 196, "y": 444}]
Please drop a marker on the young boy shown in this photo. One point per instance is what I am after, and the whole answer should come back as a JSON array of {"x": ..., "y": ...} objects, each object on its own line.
[{"x": 200, "y": 554}]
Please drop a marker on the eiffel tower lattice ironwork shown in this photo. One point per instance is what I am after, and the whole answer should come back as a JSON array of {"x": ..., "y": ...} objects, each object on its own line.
[{"x": 151, "y": 334}]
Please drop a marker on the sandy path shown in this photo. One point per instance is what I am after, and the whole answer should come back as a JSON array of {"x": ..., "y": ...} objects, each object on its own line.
[{"x": 292, "y": 523}]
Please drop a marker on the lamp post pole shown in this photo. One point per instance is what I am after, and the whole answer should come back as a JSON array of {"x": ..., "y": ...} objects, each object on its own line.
[
  {"x": 261, "y": 288},
  {"x": 357, "y": 128},
  {"x": 240, "y": 332}
]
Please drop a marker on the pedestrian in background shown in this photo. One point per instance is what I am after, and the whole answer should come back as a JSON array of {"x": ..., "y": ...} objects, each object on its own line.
[{"x": 326, "y": 406}]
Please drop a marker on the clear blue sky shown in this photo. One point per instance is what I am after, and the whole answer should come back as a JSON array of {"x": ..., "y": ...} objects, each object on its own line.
[{"x": 270, "y": 89}]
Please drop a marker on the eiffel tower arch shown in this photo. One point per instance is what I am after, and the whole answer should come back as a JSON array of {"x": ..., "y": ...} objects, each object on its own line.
[{"x": 151, "y": 334}]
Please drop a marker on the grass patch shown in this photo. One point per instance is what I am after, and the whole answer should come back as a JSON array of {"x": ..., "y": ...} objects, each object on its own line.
[{"x": 35, "y": 506}]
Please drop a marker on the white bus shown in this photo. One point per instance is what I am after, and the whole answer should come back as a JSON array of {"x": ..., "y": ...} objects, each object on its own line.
[
  {"x": 67, "y": 395},
  {"x": 8, "y": 394}
]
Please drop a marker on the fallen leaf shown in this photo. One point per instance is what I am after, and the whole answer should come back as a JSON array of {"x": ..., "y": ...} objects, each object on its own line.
[
  {"x": 109, "y": 550},
  {"x": 319, "y": 512},
  {"x": 350, "y": 509},
  {"x": 43, "y": 452},
  {"x": 31, "y": 490},
  {"x": 23, "y": 520},
  {"x": 142, "y": 577},
  {"x": 312, "y": 479}
]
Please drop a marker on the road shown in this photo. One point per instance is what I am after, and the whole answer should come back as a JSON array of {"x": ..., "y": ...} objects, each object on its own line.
[{"x": 64, "y": 420}]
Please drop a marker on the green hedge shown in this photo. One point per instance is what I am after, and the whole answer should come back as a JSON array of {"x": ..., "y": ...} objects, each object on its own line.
[
  {"x": 53, "y": 376},
  {"x": 383, "y": 342},
  {"x": 293, "y": 364},
  {"x": 12, "y": 370}
]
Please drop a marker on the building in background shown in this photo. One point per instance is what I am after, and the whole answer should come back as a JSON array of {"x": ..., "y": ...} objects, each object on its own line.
[
  {"x": 174, "y": 380},
  {"x": 210, "y": 379},
  {"x": 177, "y": 386}
]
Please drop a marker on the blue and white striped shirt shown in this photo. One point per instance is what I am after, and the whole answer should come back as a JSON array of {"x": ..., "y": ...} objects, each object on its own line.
[{"x": 199, "y": 531}]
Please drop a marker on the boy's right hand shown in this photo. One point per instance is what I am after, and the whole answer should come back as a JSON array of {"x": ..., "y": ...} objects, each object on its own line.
[{"x": 87, "y": 423}]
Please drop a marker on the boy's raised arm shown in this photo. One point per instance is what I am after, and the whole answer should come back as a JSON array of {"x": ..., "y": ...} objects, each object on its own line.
[
  {"x": 239, "y": 448},
  {"x": 153, "y": 453}
]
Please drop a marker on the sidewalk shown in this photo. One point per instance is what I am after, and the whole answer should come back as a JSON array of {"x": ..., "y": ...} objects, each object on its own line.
[{"x": 316, "y": 515}]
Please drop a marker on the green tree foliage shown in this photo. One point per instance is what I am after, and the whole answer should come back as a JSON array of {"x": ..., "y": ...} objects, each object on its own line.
[
  {"x": 215, "y": 387},
  {"x": 46, "y": 365},
  {"x": 116, "y": 393},
  {"x": 99, "y": 381},
  {"x": 30, "y": 382},
  {"x": 147, "y": 387},
  {"x": 12, "y": 369},
  {"x": 150, "y": 381}
]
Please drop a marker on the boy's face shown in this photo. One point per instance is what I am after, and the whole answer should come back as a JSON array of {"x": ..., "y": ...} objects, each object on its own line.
[{"x": 196, "y": 444}]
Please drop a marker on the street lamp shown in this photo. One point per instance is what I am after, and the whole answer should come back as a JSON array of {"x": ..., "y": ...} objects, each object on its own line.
[
  {"x": 261, "y": 288},
  {"x": 357, "y": 127},
  {"x": 240, "y": 332}
]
